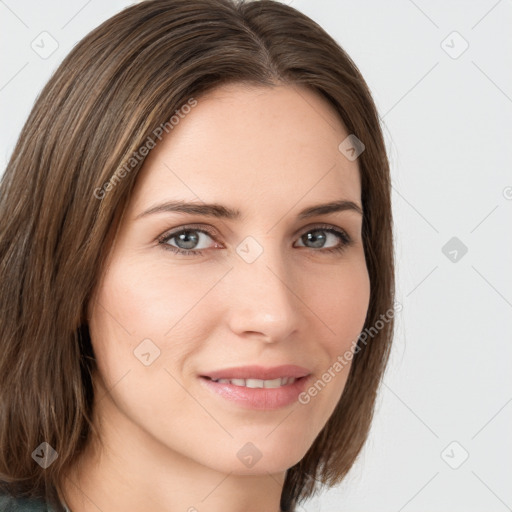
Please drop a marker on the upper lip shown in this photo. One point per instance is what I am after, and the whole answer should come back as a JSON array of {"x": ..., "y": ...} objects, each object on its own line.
[{"x": 259, "y": 372}]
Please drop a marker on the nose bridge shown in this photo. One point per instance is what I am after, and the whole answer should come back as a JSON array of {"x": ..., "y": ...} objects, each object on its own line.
[{"x": 263, "y": 299}]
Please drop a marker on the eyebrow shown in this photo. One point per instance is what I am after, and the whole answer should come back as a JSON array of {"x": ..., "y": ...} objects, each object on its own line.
[{"x": 224, "y": 212}]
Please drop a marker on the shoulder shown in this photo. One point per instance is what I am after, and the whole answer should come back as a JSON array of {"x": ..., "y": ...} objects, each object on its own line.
[{"x": 10, "y": 504}]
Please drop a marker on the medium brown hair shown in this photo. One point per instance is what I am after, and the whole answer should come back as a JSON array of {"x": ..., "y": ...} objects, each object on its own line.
[{"x": 115, "y": 88}]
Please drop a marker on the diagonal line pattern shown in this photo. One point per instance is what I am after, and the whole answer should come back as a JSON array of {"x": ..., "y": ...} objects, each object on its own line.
[
  {"x": 114, "y": 385},
  {"x": 13, "y": 13},
  {"x": 424, "y": 14},
  {"x": 492, "y": 492},
  {"x": 492, "y": 81},
  {"x": 217, "y": 486},
  {"x": 83, "y": 492},
  {"x": 416, "y": 210},
  {"x": 76, "y": 14},
  {"x": 503, "y": 407},
  {"x": 410, "y": 409},
  {"x": 418, "y": 492},
  {"x": 413, "y": 87},
  {"x": 279, "y": 484},
  {"x": 282, "y": 421},
  {"x": 482, "y": 18},
  {"x": 14, "y": 76},
  {"x": 492, "y": 211},
  {"x": 502, "y": 296},
  {"x": 407, "y": 295},
  {"x": 199, "y": 403},
  {"x": 192, "y": 307},
  {"x": 113, "y": 317},
  {"x": 295, "y": 88}
]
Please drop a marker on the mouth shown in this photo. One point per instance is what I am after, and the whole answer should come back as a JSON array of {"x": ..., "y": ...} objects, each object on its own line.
[
  {"x": 257, "y": 373},
  {"x": 258, "y": 383},
  {"x": 256, "y": 387}
]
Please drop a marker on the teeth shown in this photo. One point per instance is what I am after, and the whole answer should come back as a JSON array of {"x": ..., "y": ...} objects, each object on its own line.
[
  {"x": 258, "y": 383},
  {"x": 275, "y": 383}
]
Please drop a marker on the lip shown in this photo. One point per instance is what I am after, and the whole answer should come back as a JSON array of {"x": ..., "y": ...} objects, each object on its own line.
[
  {"x": 259, "y": 372},
  {"x": 263, "y": 399}
]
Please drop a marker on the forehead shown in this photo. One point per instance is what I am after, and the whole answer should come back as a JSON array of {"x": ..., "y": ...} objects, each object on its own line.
[{"x": 251, "y": 147}]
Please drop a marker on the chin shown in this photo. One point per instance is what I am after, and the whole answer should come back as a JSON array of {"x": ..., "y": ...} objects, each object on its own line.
[{"x": 258, "y": 457}]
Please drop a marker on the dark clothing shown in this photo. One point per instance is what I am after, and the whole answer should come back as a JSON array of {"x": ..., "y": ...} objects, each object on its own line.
[{"x": 10, "y": 504}]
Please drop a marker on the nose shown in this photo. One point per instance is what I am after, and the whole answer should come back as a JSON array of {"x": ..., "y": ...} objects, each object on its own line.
[{"x": 264, "y": 298}]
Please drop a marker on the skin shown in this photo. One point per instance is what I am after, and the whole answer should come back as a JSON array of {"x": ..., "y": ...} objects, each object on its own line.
[{"x": 168, "y": 443}]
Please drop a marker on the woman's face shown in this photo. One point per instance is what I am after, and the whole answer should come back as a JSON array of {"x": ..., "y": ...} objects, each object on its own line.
[{"x": 267, "y": 289}]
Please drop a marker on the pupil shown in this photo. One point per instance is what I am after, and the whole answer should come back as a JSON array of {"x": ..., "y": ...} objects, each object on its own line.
[
  {"x": 318, "y": 240},
  {"x": 188, "y": 237}
]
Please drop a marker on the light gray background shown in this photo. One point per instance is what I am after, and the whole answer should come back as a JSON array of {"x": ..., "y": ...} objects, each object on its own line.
[{"x": 447, "y": 122}]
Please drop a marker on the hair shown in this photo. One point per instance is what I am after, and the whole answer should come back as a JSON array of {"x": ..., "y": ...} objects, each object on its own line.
[{"x": 58, "y": 203}]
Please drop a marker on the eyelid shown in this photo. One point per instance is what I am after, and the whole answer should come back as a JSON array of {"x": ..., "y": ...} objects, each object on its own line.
[
  {"x": 186, "y": 227},
  {"x": 319, "y": 225},
  {"x": 213, "y": 233}
]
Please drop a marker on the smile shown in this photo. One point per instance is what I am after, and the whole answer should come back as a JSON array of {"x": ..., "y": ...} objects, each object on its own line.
[
  {"x": 258, "y": 383},
  {"x": 257, "y": 394}
]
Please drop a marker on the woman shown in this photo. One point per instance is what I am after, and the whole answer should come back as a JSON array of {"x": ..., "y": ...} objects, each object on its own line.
[{"x": 196, "y": 240}]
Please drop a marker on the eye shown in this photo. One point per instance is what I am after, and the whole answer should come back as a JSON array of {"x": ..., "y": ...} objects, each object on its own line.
[
  {"x": 187, "y": 239},
  {"x": 318, "y": 235}
]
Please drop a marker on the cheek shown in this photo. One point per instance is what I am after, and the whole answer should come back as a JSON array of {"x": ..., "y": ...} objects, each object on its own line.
[
  {"x": 137, "y": 361},
  {"x": 342, "y": 302},
  {"x": 152, "y": 300},
  {"x": 146, "y": 314}
]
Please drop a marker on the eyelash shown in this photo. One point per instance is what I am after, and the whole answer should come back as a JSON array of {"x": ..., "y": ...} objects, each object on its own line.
[{"x": 346, "y": 241}]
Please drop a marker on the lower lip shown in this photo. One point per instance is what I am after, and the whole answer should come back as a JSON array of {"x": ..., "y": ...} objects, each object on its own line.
[{"x": 258, "y": 398}]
